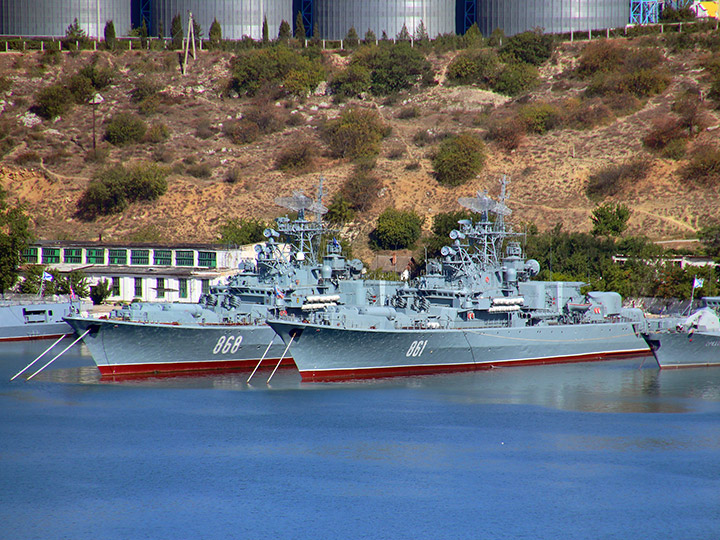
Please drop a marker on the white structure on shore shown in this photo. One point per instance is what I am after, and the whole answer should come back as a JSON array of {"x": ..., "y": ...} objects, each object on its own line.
[{"x": 148, "y": 272}]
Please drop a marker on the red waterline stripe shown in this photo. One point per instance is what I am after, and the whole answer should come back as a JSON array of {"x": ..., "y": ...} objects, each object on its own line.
[
  {"x": 179, "y": 367},
  {"x": 33, "y": 338},
  {"x": 394, "y": 371}
]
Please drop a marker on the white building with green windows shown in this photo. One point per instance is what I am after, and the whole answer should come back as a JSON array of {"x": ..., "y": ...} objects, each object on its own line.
[{"x": 143, "y": 271}]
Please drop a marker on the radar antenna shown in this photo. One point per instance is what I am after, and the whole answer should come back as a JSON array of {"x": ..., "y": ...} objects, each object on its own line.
[{"x": 306, "y": 234}]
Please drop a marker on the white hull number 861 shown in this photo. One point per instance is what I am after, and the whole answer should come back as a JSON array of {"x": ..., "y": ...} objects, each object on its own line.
[
  {"x": 416, "y": 348},
  {"x": 227, "y": 344}
]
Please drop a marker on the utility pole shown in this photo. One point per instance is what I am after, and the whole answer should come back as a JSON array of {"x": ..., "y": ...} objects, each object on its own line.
[{"x": 190, "y": 36}]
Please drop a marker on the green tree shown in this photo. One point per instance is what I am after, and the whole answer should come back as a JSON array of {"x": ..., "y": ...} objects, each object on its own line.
[
  {"x": 71, "y": 282},
  {"x": 393, "y": 68},
  {"x": 74, "y": 32},
  {"x": 443, "y": 223},
  {"x": 421, "y": 34},
  {"x": 15, "y": 236},
  {"x": 473, "y": 37},
  {"x": 198, "y": 31},
  {"x": 351, "y": 81},
  {"x": 340, "y": 210},
  {"x": 255, "y": 68},
  {"x": 352, "y": 40},
  {"x": 143, "y": 35},
  {"x": 125, "y": 128},
  {"x": 475, "y": 66},
  {"x": 610, "y": 219},
  {"x": 215, "y": 34},
  {"x": 240, "y": 232},
  {"x": 176, "y": 32},
  {"x": 285, "y": 32},
  {"x": 265, "y": 31},
  {"x": 516, "y": 78},
  {"x": 370, "y": 37},
  {"x": 403, "y": 35},
  {"x": 397, "y": 229},
  {"x": 100, "y": 292},
  {"x": 459, "y": 159},
  {"x": 114, "y": 188},
  {"x": 710, "y": 239},
  {"x": 356, "y": 133},
  {"x": 110, "y": 39},
  {"x": 300, "y": 32},
  {"x": 54, "y": 100},
  {"x": 529, "y": 47}
]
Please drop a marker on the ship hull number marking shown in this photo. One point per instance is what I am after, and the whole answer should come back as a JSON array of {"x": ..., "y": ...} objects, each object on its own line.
[
  {"x": 227, "y": 344},
  {"x": 416, "y": 348}
]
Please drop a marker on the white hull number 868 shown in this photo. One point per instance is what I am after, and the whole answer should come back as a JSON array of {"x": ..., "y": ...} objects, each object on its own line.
[
  {"x": 416, "y": 348},
  {"x": 227, "y": 344}
]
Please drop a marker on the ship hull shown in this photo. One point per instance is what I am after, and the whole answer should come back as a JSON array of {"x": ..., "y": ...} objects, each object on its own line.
[
  {"x": 31, "y": 321},
  {"x": 674, "y": 350},
  {"x": 121, "y": 348},
  {"x": 324, "y": 353}
]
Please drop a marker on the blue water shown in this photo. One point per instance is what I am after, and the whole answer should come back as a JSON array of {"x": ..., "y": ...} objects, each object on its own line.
[{"x": 597, "y": 451}]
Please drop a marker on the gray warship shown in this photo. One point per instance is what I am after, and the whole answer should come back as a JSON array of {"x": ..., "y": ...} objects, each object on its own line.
[
  {"x": 25, "y": 317},
  {"x": 693, "y": 342},
  {"x": 477, "y": 308},
  {"x": 226, "y": 329}
]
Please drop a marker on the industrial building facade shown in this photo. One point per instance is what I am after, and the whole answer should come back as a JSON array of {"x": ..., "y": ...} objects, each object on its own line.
[{"x": 328, "y": 19}]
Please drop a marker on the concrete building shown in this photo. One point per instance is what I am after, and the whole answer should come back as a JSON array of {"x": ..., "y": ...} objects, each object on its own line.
[{"x": 148, "y": 272}]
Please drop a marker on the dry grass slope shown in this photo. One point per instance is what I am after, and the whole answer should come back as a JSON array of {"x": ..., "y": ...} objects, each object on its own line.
[{"x": 549, "y": 172}]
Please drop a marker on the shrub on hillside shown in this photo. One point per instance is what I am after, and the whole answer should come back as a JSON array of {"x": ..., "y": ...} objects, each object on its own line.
[
  {"x": 714, "y": 92},
  {"x": 145, "y": 88},
  {"x": 299, "y": 157},
  {"x": 426, "y": 137},
  {"x": 393, "y": 67},
  {"x": 610, "y": 180},
  {"x": 157, "y": 133},
  {"x": 361, "y": 189},
  {"x": 356, "y": 133},
  {"x": 641, "y": 83},
  {"x": 54, "y": 100},
  {"x": 459, "y": 159},
  {"x": 125, "y": 128},
  {"x": 515, "y": 79},
  {"x": 81, "y": 88},
  {"x": 703, "y": 166},
  {"x": 601, "y": 56},
  {"x": 339, "y": 211},
  {"x": 540, "y": 117},
  {"x": 255, "y": 68},
  {"x": 474, "y": 67},
  {"x": 396, "y": 229},
  {"x": 113, "y": 189},
  {"x": 529, "y": 47},
  {"x": 586, "y": 113},
  {"x": 241, "y": 131},
  {"x": 664, "y": 130},
  {"x": 101, "y": 77},
  {"x": 350, "y": 82},
  {"x": 268, "y": 119},
  {"x": 241, "y": 232},
  {"x": 507, "y": 130},
  {"x": 199, "y": 170}
]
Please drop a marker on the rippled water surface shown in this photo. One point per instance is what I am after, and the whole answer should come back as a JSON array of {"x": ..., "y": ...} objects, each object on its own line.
[{"x": 598, "y": 450}]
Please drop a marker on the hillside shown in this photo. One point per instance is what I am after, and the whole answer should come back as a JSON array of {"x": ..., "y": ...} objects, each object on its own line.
[{"x": 45, "y": 166}]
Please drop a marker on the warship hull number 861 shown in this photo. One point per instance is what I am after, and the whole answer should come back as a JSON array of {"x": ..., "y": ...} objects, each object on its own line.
[{"x": 477, "y": 308}]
